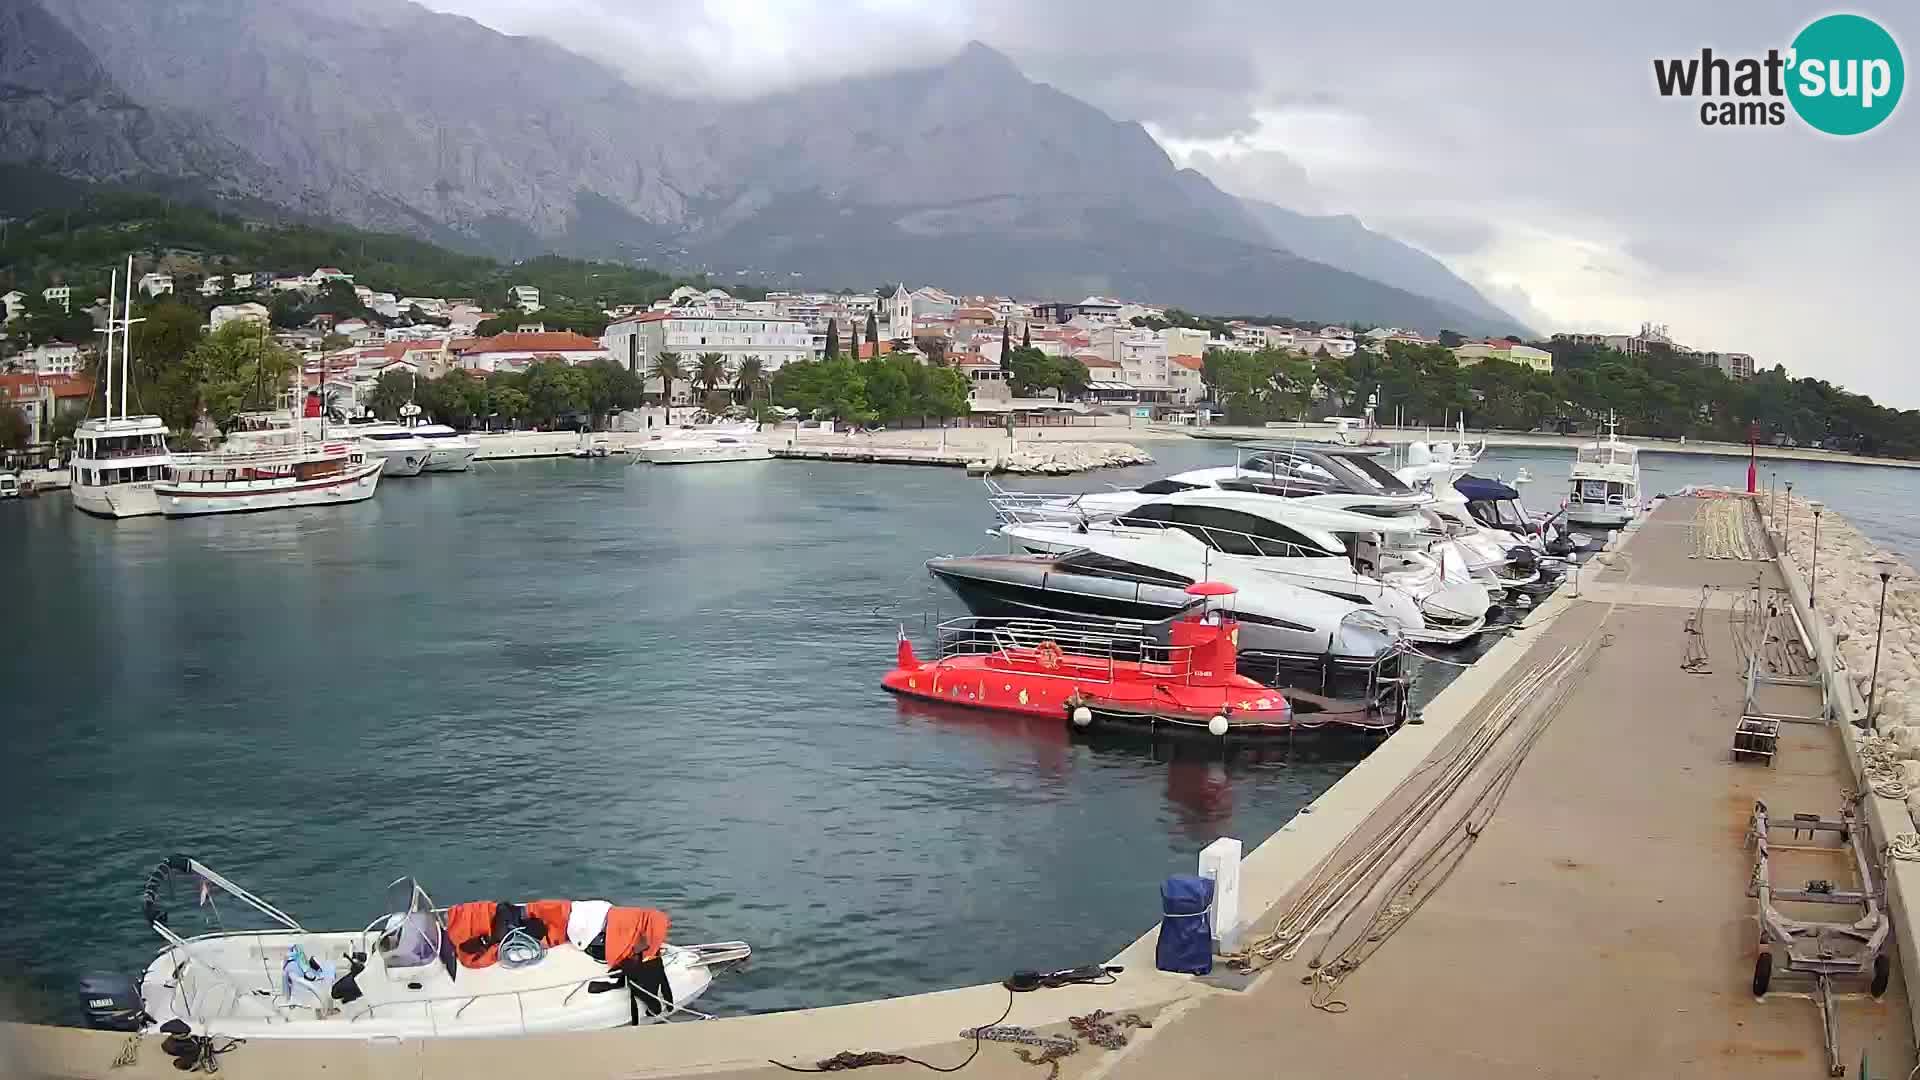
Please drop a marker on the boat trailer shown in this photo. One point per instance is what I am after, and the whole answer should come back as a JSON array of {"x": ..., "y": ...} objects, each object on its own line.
[
  {"x": 1809, "y": 949},
  {"x": 1767, "y": 630}
]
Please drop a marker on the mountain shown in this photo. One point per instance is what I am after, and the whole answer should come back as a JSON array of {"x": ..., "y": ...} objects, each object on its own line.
[
  {"x": 384, "y": 114},
  {"x": 1342, "y": 241}
]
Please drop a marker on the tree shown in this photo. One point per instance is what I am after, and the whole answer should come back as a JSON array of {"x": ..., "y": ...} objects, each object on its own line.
[
  {"x": 750, "y": 377},
  {"x": 833, "y": 339},
  {"x": 944, "y": 395},
  {"x": 1006, "y": 346},
  {"x": 554, "y": 390},
  {"x": 1026, "y": 335},
  {"x": 667, "y": 367},
  {"x": 239, "y": 370},
  {"x": 506, "y": 402},
  {"x": 853, "y": 352},
  {"x": 391, "y": 390},
  {"x": 1452, "y": 339},
  {"x": 935, "y": 348},
  {"x": 15, "y": 429},
  {"x": 873, "y": 332},
  {"x": 711, "y": 373}
]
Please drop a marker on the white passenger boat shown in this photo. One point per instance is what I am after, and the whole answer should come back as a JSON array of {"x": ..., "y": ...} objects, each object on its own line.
[
  {"x": 703, "y": 447},
  {"x": 118, "y": 458},
  {"x": 116, "y": 462},
  {"x": 9, "y": 486},
  {"x": 414, "y": 972},
  {"x": 1605, "y": 482},
  {"x": 228, "y": 482}
]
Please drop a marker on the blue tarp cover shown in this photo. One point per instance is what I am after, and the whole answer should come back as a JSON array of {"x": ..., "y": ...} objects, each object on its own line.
[
  {"x": 1186, "y": 927},
  {"x": 1479, "y": 487}
]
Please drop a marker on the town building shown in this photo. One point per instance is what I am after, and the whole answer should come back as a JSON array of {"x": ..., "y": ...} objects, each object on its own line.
[
  {"x": 525, "y": 297},
  {"x": 1184, "y": 341},
  {"x": 635, "y": 340},
  {"x": 223, "y": 314},
  {"x": 53, "y": 358},
  {"x": 517, "y": 351},
  {"x": 156, "y": 284},
  {"x": 240, "y": 281},
  {"x": 1733, "y": 365},
  {"x": 15, "y": 303},
  {"x": 1511, "y": 351},
  {"x": 42, "y": 399},
  {"x": 212, "y": 285},
  {"x": 322, "y": 275},
  {"x": 59, "y": 294}
]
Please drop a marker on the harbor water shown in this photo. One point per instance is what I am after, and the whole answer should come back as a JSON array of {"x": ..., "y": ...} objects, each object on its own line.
[{"x": 580, "y": 679}]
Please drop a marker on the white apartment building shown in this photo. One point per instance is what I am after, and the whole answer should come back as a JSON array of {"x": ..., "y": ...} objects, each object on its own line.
[
  {"x": 1184, "y": 341},
  {"x": 62, "y": 295},
  {"x": 323, "y": 274},
  {"x": 53, "y": 358},
  {"x": 1733, "y": 365},
  {"x": 634, "y": 341},
  {"x": 156, "y": 284},
  {"x": 241, "y": 281},
  {"x": 15, "y": 302},
  {"x": 1142, "y": 357},
  {"x": 226, "y": 313},
  {"x": 526, "y": 297},
  {"x": 212, "y": 285}
]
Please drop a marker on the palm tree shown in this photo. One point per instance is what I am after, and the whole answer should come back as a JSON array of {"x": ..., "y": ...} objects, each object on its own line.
[
  {"x": 711, "y": 371},
  {"x": 667, "y": 367},
  {"x": 752, "y": 374}
]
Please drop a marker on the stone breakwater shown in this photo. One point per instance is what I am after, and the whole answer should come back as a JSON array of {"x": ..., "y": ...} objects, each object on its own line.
[
  {"x": 1061, "y": 458},
  {"x": 1847, "y": 600}
]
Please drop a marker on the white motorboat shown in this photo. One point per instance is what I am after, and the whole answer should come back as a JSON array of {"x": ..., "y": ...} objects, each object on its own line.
[
  {"x": 702, "y": 447},
  {"x": 414, "y": 972},
  {"x": 1362, "y": 557},
  {"x": 117, "y": 458},
  {"x": 228, "y": 482},
  {"x": 1605, "y": 482},
  {"x": 395, "y": 444},
  {"x": 9, "y": 486},
  {"x": 447, "y": 450}
]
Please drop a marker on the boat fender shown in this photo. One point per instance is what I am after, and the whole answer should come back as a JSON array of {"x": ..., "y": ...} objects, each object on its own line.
[
  {"x": 1217, "y": 725},
  {"x": 1082, "y": 716}
]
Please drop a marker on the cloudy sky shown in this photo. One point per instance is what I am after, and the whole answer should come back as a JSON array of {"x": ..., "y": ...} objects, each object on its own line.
[{"x": 1521, "y": 143}]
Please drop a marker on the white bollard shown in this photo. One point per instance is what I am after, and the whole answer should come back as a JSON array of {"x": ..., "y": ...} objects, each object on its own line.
[{"x": 1220, "y": 863}]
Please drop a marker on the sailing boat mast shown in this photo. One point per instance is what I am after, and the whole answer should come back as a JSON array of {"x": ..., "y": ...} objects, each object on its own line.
[
  {"x": 126, "y": 343},
  {"x": 113, "y": 293}
]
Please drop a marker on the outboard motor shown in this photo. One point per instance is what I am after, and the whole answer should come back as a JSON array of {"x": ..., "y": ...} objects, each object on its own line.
[
  {"x": 1522, "y": 556},
  {"x": 112, "y": 1003}
]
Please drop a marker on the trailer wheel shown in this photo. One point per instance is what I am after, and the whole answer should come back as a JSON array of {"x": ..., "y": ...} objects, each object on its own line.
[
  {"x": 1882, "y": 973},
  {"x": 1762, "y": 972}
]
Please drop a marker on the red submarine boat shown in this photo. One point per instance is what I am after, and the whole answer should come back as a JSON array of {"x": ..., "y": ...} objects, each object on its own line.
[{"x": 1092, "y": 674}]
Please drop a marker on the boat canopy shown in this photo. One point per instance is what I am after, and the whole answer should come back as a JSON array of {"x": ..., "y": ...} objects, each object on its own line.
[{"x": 1481, "y": 488}]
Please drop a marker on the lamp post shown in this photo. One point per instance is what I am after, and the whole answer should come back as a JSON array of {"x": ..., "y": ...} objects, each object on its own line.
[
  {"x": 1813, "y": 580},
  {"x": 1885, "y": 570},
  {"x": 1786, "y": 529}
]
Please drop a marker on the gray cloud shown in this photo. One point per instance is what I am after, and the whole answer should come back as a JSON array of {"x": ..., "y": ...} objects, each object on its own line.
[{"x": 1524, "y": 144}]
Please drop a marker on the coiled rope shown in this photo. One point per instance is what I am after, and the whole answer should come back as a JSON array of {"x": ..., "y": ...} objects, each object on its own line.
[
  {"x": 1904, "y": 847},
  {"x": 520, "y": 949},
  {"x": 1881, "y": 768}
]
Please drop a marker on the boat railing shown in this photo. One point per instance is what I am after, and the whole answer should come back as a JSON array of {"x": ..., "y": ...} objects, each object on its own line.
[
  {"x": 1227, "y": 541},
  {"x": 1064, "y": 649},
  {"x": 275, "y": 455}
]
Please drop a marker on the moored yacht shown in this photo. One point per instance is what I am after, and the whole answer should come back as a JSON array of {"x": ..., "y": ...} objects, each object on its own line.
[
  {"x": 447, "y": 450},
  {"x": 1605, "y": 481},
  {"x": 1369, "y": 556}
]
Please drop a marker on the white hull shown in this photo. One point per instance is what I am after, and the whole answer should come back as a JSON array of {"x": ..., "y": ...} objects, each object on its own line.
[
  {"x": 117, "y": 500},
  {"x": 449, "y": 458},
  {"x": 401, "y": 460},
  {"x": 1614, "y": 516},
  {"x": 406, "y": 1003},
  {"x": 354, "y": 485},
  {"x": 692, "y": 454}
]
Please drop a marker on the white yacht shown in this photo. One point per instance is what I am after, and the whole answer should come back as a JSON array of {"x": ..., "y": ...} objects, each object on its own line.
[
  {"x": 117, "y": 458},
  {"x": 239, "y": 481},
  {"x": 447, "y": 450},
  {"x": 1605, "y": 481},
  {"x": 1369, "y": 558},
  {"x": 701, "y": 447},
  {"x": 392, "y": 443}
]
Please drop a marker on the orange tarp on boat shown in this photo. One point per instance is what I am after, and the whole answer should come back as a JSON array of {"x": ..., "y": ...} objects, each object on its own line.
[
  {"x": 553, "y": 913},
  {"x": 472, "y": 922},
  {"x": 634, "y": 932}
]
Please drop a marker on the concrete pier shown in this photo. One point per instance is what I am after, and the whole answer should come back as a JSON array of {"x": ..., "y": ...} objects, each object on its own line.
[{"x": 1598, "y": 925}]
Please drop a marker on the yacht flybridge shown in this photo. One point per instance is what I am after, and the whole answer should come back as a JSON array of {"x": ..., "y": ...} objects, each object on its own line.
[
  {"x": 415, "y": 971},
  {"x": 117, "y": 457}
]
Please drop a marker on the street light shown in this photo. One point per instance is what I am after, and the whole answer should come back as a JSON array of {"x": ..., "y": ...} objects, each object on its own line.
[
  {"x": 1885, "y": 570},
  {"x": 1786, "y": 530},
  {"x": 1813, "y": 581}
]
